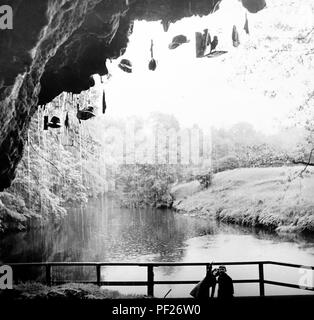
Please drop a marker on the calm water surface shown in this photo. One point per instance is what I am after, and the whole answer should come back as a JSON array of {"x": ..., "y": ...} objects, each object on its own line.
[{"x": 105, "y": 232}]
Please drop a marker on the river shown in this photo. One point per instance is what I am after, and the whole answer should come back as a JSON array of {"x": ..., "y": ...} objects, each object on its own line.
[{"x": 104, "y": 232}]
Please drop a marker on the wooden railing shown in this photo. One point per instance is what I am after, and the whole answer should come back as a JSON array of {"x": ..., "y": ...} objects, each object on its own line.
[{"x": 150, "y": 273}]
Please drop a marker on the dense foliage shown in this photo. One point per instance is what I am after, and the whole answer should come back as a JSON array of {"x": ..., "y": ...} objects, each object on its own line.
[
  {"x": 241, "y": 146},
  {"x": 59, "y": 168},
  {"x": 145, "y": 184}
]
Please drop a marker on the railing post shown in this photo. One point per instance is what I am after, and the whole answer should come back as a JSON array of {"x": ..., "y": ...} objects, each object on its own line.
[
  {"x": 150, "y": 280},
  {"x": 48, "y": 274},
  {"x": 98, "y": 273},
  {"x": 261, "y": 279}
]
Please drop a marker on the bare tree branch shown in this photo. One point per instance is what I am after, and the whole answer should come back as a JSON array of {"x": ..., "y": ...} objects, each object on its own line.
[
  {"x": 307, "y": 164},
  {"x": 303, "y": 162}
]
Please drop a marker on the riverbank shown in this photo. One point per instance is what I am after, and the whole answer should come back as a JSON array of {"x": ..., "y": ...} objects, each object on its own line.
[{"x": 275, "y": 198}]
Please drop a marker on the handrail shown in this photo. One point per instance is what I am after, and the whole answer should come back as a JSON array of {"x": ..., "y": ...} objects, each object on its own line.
[
  {"x": 157, "y": 264},
  {"x": 150, "y": 273},
  {"x": 140, "y": 264},
  {"x": 292, "y": 265}
]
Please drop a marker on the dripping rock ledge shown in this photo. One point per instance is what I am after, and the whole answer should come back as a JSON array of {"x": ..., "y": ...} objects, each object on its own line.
[{"x": 56, "y": 46}]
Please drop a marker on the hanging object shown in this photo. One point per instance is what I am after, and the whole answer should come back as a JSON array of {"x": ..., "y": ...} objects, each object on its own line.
[
  {"x": 46, "y": 121},
  {"x": 215, "y": 54},
  {"x": 214, "y": 44},
  {"x": 85, "y": 113},
  {"x": 235, "y": 37},
  {"x": 206, "y": 42},
  {"x": 165, "y": 25},
  {"x": 178, "y": 41},
  {"x": 216, "y": 7},
  {"x": 66, "y": 121},
  {"x": 246, "y": 25},
  {"x": 54, "y": 123},
  {"x": 203, "y": 43},
  {"x": 104, "y": 105},
  {"x": 125, "y": 65},
  {"x": 122, "y": 51},
  {"x": 152, "y": 63},
  {"x": 199, "y": 45}
]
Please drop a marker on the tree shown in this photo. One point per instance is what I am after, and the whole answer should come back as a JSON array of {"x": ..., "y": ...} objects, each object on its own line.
[{"x": 59, "y": 168}]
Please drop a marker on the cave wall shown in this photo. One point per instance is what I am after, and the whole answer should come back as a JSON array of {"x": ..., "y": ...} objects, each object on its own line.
[{"x": 56, "y": 45}]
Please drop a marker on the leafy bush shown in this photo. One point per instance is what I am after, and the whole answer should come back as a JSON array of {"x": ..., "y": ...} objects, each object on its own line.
[
  {"x": 140, "y": 185},
  {"x": 226, "y": 163},
  {"x": 205, "y": 180},
  {"x": 52, "y": 174}
]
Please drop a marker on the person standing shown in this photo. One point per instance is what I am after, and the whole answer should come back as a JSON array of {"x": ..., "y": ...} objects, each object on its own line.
[
  {"x": 225, "y": 284},
  {"x": 202, "y": 289}
]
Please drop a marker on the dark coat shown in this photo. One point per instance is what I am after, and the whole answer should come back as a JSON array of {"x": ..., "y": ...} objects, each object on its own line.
[
  {"x": 201, "y": 290},
  {"x": 225, "y": 286}
]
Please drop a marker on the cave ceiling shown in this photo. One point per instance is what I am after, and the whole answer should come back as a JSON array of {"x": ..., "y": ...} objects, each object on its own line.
[{"x": 57, "y": 45}]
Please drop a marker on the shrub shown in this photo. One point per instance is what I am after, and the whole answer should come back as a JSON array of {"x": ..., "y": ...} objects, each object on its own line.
[
  {"x": 205, "y": 180},
  {"x": 226, "y": 163}
]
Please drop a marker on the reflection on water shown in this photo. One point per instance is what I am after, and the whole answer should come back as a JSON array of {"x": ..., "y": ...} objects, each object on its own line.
[{"x": 105, "y": 232}]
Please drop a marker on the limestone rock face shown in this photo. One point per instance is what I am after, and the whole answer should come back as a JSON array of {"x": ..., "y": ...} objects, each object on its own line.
[{"x": 56, "y": 45}]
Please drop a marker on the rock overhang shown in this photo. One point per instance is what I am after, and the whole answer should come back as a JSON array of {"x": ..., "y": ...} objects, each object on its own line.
[{"x": 57, "y": 46}]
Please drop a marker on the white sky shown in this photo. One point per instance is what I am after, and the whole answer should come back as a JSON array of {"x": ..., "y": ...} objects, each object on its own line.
[{"x": 195, "y": 90}]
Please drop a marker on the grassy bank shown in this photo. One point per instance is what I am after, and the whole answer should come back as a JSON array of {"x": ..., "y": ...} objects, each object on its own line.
[
  {"x": 276, "y": 198},
  {"x": 35, "y": 290}
]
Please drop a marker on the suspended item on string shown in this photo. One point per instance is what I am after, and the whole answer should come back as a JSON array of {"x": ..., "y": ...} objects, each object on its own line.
[
  {"x": 207, "y": 41},
  {"x": 215, "y": 54},
  {"x": 235, "y": 37},
  {"x": 46, "y": 122},
  {"x": 54, "y": 123},
  {"x": 203, "y": 43},
  {"x": 165, "y": 25},
  {"x": 122, "y": 51},
  {"x": 125, "y": 65},
  {"x": 205, "y": 47},
  {"x": 178, "y": 41},
  {"x": 152, "y": 63},
  {"x": 104, "y": 105},
  {"x": 214, "y": 44},
  {"x": 66, "y": 121},
  {"x": 246, "y": 25},
  {"x": 85, "y": 113}
]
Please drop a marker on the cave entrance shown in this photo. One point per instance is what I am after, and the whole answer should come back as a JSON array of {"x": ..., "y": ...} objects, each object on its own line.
[{"x": 222, "y": 109}]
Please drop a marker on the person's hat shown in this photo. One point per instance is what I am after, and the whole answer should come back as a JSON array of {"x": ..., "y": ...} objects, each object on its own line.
[
  {"x": 222, "y": 268},
  {"x": 125, "y": 65},
  {"x": 178, "y": 41}
]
